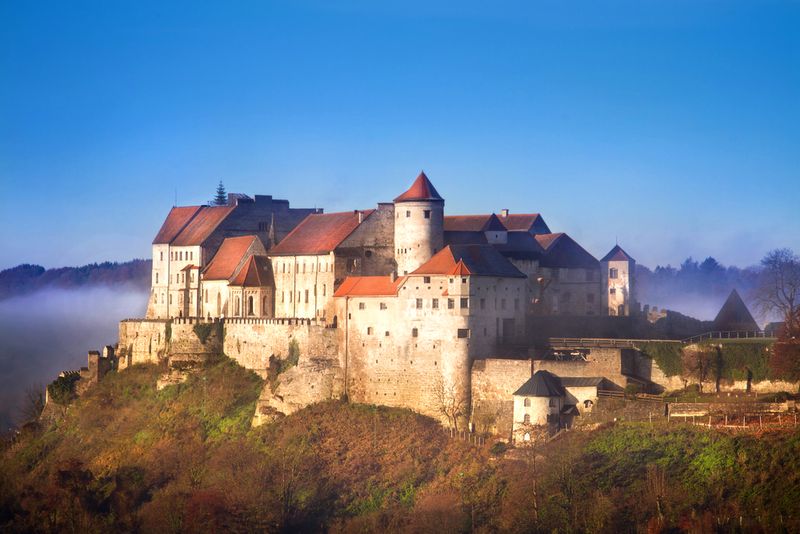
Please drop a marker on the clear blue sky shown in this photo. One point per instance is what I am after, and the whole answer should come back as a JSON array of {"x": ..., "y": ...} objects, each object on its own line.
[{"x": 672, "y": 126}]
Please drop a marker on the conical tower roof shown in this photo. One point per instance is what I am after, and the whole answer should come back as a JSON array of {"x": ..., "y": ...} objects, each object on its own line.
[
  {"x": 421, "y": 189},
  {"x": 734, "y": 316},
  {"x": 617, "y": 254}
]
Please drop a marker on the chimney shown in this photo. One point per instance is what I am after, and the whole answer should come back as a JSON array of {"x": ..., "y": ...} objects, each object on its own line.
[
  {"x": 393, "y": 276},
  {"x": 360, "y": 216},
  {"x": 504, "y": 212}
]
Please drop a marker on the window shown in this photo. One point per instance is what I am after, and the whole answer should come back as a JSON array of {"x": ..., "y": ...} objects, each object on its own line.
[
  {"x": 464, "y": 303},
  {"x": 283, "y": 297},
  {"x": 463, "y": 280},
  {"x": 613, "y": 290},
  {"x": 408, "y": 214},
  {"x": 427, "y": 214},
  {"x": 426, "y": 279},
  {"x": 415, "y": 332},
  {"x": 161, "y": 256},
  {"x": 527, "y": 421},
  {"x": 435, "y": 304},
  {"x": 170, "y": 298},
  {"x": 613, "y": 273},
  {"x": 419, "y": 304},
  {"x": 324, "y": 288},
  {"x": 463, "y": 333},
  {"x": 205, "y": 296},
  {"x": 483, "y": 304},
  {"x": 553, "y": 402},
  {"x": 451, "y": 304},
  {"x": 156, "y": 278},
  {"x": 383, "y": 305},
  {"x": 291, "y": 296},
  {"x": 306, "y": 296},
  {"x": 283, "y": 267},
  {"x": 369, "y": 330},
  {"x": 361, "y": 305},
  {"x": 368, "y": 254},
  {"x": 526, "y": 403},
  {"x": 386, "y": 334}
]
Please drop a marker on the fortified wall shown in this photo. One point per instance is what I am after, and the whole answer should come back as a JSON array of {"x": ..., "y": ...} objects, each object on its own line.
[
  {"x": 143, "y": 341},
  {"x": 494, "y": 382}
]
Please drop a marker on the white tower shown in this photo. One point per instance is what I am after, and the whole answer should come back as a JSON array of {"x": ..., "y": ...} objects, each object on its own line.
[
  {"x": 618, "y": 273},
  {"x": 418, "y": 225}
]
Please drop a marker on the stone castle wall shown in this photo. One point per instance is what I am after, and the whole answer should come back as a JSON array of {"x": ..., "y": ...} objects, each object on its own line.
[
  {"x": 494, "y": 382},
  {"x": 142, "y": 341},
  {"x": 251, "y": 342},
  {"x": 609, "y": 363}
]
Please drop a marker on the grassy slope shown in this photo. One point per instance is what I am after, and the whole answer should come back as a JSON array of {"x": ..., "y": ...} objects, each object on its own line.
[{"x": 184, "y": 459}]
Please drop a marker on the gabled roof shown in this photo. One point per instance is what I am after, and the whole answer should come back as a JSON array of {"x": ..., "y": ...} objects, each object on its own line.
[
  {"x": 200, "y": 227},
  {"x": 560, "y": 250},
  {"x": 368, "y": 286},
  {"x": 734, "y": 316},
  {"x": 541, "y": 384},
  {"x": 473, "y": 223},
  {"x": 521, "y": 246},
  {"x": 580, "y": 381},
  {"x": 319, "y": 233},
  {"x": 617, "y": 254},
  {"x": 525, "y": 222},
  {"x": 228, "y": 257},
  {"x": 478, "y": 260},
  {"x": 465, "y": 238},
  {"x": 178, "y": 218},
  {"x": 421, "y": 189},
  {"x": 255, "y": 273}
]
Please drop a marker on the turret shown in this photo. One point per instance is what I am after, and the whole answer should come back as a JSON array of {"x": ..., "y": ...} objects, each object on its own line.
[
  {"x": 618, "y": 270},
  {"x": 418, "y": 225}
]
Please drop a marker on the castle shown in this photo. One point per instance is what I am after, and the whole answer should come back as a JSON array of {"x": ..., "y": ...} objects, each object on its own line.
[{"x": 399, "y": 304}]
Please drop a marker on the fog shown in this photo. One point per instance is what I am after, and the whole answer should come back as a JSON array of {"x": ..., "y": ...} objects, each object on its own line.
[{"x": 44, "y": 333}]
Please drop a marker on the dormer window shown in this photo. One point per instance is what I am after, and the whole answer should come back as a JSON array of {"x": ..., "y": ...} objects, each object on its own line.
[{"x": 613, "y": 273}]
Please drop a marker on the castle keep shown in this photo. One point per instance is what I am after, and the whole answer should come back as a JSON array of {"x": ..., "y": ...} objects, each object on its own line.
[{"x": 399, "y": 304}]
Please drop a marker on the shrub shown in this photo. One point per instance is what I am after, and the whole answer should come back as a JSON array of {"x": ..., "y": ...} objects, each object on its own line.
[
  {"x": 499, "y": 448},
  {"x": 202, "y": 331},
  {"x": 666, "y": 355},
  {"x": 62, "y": 389}
]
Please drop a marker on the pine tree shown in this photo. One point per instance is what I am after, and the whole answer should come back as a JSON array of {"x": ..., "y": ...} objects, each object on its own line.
[{"x": 221, "y": 198}]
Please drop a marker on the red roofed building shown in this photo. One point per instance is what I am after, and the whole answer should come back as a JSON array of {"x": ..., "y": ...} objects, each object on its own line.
[
  {"x": 191, "y": 235},
  {"x": 223, "y": 280},
  {"x": 315, "y": 258},
  {"x": 418, "y": 225}
]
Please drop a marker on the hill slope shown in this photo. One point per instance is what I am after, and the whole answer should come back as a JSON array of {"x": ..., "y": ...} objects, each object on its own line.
[{"x": 127, "y": 457}]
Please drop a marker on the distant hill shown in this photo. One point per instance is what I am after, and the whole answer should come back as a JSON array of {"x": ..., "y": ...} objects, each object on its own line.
[{"x": 27, "y": 278}]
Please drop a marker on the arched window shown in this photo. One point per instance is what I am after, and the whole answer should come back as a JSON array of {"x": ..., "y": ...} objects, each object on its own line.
[
  {"x": 526, "y": 419},
  {"x": 250, "y": 308},
  {"x": 264, "y": 306},
  {"x": 526, "y": 403}
]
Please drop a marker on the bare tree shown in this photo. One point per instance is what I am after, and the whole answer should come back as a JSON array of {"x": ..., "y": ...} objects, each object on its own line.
[
  {"x": 450, "y": 401},
  {"x": 32, "y": 403},
  {"x": 778, "y": 290}
]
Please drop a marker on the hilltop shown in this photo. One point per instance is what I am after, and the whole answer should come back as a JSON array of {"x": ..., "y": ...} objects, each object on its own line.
[
  {"x": 128, "y": 457},
  {"x": 27, "y": 278}
]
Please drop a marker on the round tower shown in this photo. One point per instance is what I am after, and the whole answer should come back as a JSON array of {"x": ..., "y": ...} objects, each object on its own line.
[{"x": 418, "y": 225}]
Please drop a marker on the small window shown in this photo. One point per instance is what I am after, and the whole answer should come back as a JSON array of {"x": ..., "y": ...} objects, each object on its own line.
[
  {"x": 386, "y": 334},
  {"x": 419, "y": 304},
  {"x": 435, "y": 304},
  {"x": 361, "y": 305},
  {"x": 553, "y": 402},
  {"x": 156, "y": 278},
  {"x": 464, "y": 303},
  {"x": 369, "y": 330},
  {"x": 526, "y": 403},
  {"x": 451, "y": 304},
  {"x": 324, "y": 289},
  {"x": 415, "y": 332},
  {"x": 161, "y": 257},
  {"x": 463, "y": 333},
  {"x": 463, "y": 280},
  {"x": 306, "y": 296},
  {"x": 408, "y": 214},
  {"x": 527, "y": 421},
  {"x": 613, "y": 290},
  {"x": 383, "y": 305},
  {"x": 368, "y": 254},
  {"x": 427, "y": 214},
  {"x": 426, "y": 279},
  {"x": 613, "y": 273},
  {"x": 483, "y": 304}
]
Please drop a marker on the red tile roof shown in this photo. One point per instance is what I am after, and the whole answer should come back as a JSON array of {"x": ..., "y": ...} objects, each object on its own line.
[
  {"x": 421, "y": 189},
  {"x": 524, "y": 222},
  {"x": 202, "y": 225},
  {"x": 228, "y": 257},
  {"x": 477, "y": 260},
  {"x": 319, "y": 233},
  {"x": 255, "y": 273},
  {"x": 546, "y": 240},
  {"x": 473, "y": 223},
  {"x": 617, "y": 254},
  {"x": 368, "y": 286},
  {"x": 175, "y": 222}
]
